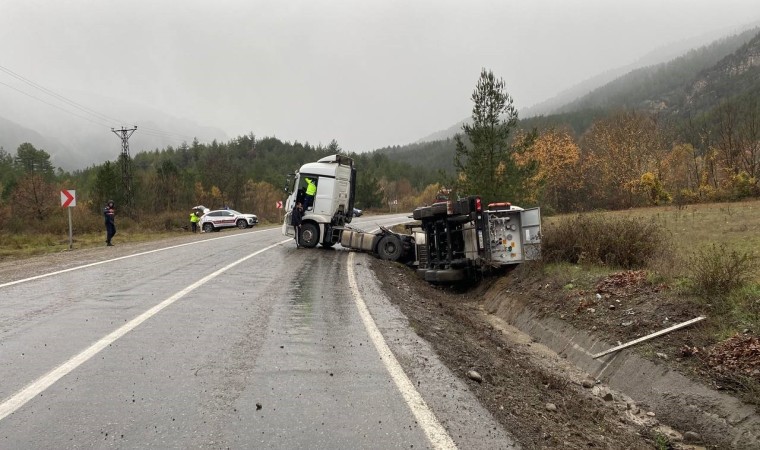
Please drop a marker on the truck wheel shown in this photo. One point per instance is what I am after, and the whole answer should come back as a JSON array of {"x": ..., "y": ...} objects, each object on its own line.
[
  {"x": 208, "y": 227},
  {"x": 309, "y": 235},
  {"x": 389, "y": 248}
]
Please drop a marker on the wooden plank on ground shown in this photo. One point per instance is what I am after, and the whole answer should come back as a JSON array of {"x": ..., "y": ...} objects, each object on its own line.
[{"x": 649, "y": 336}]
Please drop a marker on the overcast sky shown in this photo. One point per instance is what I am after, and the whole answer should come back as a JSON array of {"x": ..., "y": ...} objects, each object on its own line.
[{"x": 366, "y": 73}]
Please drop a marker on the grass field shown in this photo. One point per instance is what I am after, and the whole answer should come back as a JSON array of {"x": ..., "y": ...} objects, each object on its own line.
[
  {"x": 14, "y": 246},
  {"x": 695, "y": 228}
]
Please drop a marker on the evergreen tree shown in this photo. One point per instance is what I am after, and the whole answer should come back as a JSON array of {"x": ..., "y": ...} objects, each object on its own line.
[
  {"x": 7, "y": 174},
  {"x": 32, "y": 161},
  {"x": 107, "y": 186},
  {"x": 367, "y": 192},
  {"x": 484, "y": 159}
]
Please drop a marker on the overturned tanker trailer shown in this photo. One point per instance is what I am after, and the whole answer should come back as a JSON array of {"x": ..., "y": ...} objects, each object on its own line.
[{"x": 457, "y": 241}]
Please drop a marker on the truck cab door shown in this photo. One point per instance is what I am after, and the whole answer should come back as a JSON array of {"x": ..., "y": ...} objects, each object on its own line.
[{"x": 287, "y": 228}]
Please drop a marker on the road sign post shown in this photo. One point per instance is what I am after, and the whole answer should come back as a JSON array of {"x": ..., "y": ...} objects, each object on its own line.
[{"x": 68, "y": 201}]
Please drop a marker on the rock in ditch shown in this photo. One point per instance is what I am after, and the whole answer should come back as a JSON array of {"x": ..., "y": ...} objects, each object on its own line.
[
  {"x": 551, "y": 407},
  {"x": 691, "y": 437},
  {"x": 608, "y": 397},
  {"x": 588, "y": 383},
  {"x": 475, "y": 376}
]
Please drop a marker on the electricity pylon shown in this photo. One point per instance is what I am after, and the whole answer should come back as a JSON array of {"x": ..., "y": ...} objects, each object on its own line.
[{"x": 126, "y": 166}]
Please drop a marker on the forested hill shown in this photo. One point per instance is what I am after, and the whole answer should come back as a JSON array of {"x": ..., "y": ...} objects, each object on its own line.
[
  {"x": 690, "y": 86},
  {"x": 434, "y": 155},
  {"x": 671, "y": 85}
]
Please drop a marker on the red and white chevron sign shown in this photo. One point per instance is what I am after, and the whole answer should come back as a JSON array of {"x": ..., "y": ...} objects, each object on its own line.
[{"x": 68, "y": 198}]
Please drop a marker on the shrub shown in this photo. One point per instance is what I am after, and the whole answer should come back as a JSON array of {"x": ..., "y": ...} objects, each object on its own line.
[
  {"x": 621, "y": 242},
  {"x": 165, "y": 221},
  {"x": 716, "y": 270}
]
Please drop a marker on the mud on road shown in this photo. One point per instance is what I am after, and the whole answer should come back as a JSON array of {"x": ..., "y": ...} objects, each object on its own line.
[{"x": 535, "y": 395}]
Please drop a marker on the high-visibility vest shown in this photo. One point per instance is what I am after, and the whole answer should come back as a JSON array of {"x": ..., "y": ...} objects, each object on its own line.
[
  {"x": 194, "y": 218},
  {"x": 311, "y": 188}
]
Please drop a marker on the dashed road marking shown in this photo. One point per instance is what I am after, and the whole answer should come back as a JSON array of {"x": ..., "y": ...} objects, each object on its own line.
[{"x": 18, "y": 400}]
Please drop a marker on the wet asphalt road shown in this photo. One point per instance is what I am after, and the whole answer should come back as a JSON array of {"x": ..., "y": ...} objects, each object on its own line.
[{"x": 251, "y": 343}]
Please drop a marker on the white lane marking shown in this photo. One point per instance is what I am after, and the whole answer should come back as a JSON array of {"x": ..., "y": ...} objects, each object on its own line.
[
  {"x": 16, "y": 401},
  {"x": 70, "y": 269},
  {"x": 433, "y": 429}
]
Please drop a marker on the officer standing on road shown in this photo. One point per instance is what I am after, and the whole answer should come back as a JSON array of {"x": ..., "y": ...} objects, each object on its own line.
[
  {"x": 108, "y": 213},
  {"x": 296, "y": 216},
  {"x": 194, "y": 221}
]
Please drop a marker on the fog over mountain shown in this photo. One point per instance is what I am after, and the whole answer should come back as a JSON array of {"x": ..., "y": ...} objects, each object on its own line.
[
  {"x": 78, "y": 138},
  {"x": 379, "y": 73}
]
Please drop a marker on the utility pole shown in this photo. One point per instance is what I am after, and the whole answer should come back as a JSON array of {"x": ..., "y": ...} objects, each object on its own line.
[{"x": 126, "y": 167}]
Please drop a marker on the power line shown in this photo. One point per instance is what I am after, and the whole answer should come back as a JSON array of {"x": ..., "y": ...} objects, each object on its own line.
[
  {"x": 55, "y": 106},
  {"x": 100, "y": 118},
  {"x": 59, "y": 97}
]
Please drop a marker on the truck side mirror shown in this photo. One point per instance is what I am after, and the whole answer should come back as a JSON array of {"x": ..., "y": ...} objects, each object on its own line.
[{"x": 288, "y": 183}]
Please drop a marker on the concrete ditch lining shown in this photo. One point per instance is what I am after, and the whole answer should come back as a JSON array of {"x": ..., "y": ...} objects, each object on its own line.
[{"x": 677, "y": 400}]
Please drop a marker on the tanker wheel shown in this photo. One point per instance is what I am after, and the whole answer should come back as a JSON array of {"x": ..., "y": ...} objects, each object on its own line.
[
  {"x": 389, "y": 248},
  {"x": 309, "y": 235}
]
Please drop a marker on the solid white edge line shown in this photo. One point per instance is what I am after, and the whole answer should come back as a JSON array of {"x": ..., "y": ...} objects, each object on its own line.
[
  {"x": 17, "y": 400},
  {"x": 97, "y": 263},
  {"x": 437, "y": 435}
]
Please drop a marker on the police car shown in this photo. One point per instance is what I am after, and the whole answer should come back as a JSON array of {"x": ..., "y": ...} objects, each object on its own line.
[{"x": 226, "y": 218}]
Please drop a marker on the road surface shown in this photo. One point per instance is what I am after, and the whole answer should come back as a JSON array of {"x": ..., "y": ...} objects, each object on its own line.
[{"x": 233, "y": 340}]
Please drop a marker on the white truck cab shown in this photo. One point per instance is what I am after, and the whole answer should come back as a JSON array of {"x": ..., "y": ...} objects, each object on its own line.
[{"x": 333, "y": 204}]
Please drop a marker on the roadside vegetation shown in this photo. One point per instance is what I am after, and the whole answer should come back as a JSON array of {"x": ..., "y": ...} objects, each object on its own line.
[{"x": 630, "y": 273}]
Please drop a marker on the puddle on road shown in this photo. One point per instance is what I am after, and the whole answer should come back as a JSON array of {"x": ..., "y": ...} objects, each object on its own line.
[{"x": 300, "y": 317}]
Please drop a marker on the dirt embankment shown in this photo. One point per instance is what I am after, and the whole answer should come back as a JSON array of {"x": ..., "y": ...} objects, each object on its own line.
[{"x": 548, "y": 400}]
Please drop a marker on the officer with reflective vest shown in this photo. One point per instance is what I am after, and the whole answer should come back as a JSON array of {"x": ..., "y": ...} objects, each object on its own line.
[
  {"x": 311, "y": 190},
  {"x": 194, "y": 219}
]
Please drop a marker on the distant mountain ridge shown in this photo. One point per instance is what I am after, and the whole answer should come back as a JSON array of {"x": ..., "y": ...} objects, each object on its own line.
[
  {"x": 711, "y": 47},
  {"x": 690, "y": 85},
  {"x": 662, "y": 84}
]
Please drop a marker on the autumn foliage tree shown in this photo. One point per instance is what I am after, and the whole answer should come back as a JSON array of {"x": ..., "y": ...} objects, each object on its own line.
[
  {"x": 34, "y": 197},
  {"x": 261, "y": 197},
  {"x": 556, "y": 178},
  {"x": 617, "y": 152}
]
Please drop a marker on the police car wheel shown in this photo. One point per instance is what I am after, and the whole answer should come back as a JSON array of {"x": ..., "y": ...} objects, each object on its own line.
[
  {"x": 242, "y": 224},
  {"x": 208, "y": 227}
]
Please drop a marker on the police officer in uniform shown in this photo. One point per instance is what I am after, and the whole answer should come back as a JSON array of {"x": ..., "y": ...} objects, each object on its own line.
[{"x": 108, "y": 213}]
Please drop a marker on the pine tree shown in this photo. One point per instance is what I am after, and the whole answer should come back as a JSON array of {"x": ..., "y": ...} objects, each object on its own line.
[{"x": 484, "y": 158}]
